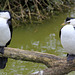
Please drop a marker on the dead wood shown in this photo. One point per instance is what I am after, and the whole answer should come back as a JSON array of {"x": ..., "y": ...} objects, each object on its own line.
[{"x": 56, "y": 65}]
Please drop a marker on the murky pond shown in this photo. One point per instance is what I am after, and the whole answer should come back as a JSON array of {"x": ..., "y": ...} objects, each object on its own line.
[{"x": 43, "y": 38}]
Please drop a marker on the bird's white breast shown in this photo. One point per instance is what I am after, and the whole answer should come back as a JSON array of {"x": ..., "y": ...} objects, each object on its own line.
[
  {"x": 68, "y": 38},
  {"x": 4, "y": 32}
]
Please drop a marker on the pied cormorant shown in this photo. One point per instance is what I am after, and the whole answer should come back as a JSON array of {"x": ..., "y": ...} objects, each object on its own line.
[
  {"x": 67, "y": 35},
  {"x": 5, "y": 35}
]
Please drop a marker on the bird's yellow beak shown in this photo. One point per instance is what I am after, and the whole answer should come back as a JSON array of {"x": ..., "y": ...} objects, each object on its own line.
[{"x": 64, "y": 23}]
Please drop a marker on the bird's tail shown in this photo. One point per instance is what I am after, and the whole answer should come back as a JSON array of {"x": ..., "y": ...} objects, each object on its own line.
[{"x": 3, "y": 61}]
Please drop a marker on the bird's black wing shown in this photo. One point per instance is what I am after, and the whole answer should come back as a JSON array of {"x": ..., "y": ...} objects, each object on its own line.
[
  {"x": 10, "y": 26},
  {"x": 60, "y": 33},
  {"x": 11, "y": 30}
]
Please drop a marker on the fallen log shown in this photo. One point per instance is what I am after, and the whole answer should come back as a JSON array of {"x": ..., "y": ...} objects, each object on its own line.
[
  {"x": 32, "y": 56},
  {"x": 56, "y": 65},
  {"x": 62, "y": 69}
]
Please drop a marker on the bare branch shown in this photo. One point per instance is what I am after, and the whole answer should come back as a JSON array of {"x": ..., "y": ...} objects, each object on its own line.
[{"x": 55, "y": 64}]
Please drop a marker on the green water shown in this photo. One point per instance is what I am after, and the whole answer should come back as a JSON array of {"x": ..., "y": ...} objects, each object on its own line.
[{"x": 43, "y": 38}]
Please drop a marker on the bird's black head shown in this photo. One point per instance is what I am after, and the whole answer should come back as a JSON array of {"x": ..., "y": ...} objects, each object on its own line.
[
  {"x": 69, "y": 18},
  {"x": 70, "y": 21}
]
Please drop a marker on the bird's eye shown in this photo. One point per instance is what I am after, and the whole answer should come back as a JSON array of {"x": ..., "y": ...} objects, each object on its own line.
[{"x": 68, "y": 22}]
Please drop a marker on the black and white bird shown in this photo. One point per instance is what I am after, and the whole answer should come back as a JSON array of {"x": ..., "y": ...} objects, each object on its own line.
[
  {"x": 67, "y": 35},
  {"x": 5, "y": 35}
]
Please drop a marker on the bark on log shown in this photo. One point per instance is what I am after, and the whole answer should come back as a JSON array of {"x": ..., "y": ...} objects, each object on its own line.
[
  {"x": 55, "y": 64},
  {"x": 63, "y": 68}
]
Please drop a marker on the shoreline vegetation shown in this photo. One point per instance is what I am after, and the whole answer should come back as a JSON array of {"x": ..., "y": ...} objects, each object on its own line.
[{"x": 34, "y": 11}]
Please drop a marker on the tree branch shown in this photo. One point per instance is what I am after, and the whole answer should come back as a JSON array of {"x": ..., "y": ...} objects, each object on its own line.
[
  {"x": 55, "y": 64},
  {"x": 32, "y": 56},
  {"x": 62, "y": 69}
]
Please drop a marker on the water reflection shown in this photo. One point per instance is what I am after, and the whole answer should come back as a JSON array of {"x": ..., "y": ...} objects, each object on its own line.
[{"x": 50, "y": 43}]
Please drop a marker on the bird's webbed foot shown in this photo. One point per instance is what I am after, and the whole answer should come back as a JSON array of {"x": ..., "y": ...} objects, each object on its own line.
[
  {"x": 70, "y": 57},
  {"x": 2, "y": 50}
]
